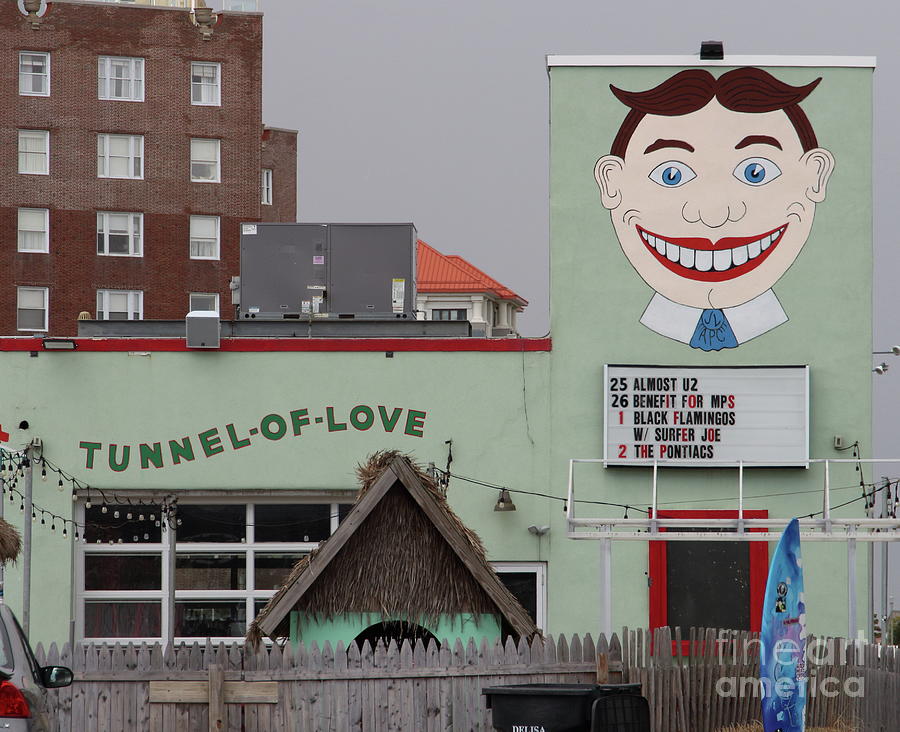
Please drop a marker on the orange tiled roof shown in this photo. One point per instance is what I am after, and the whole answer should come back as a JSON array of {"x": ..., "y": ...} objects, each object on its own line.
[{"x": 436, "y": 272}]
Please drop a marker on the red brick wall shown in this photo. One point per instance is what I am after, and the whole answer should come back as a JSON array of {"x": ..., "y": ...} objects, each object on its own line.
[
  {"x": 75, "y": 35},
  {"x": 279, "y": 154}
]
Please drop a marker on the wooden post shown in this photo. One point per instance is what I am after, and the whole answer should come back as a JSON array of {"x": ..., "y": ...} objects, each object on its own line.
[
  {"x": 218, "y": 719},
  {"x": 602, "y": 659}
]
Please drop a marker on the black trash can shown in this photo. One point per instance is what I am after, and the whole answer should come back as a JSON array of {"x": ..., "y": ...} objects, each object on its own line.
[
  {"x": 553, "y": 707},
  {"x": 620, "y": 710},
  {"x": 559, "y": 707}
]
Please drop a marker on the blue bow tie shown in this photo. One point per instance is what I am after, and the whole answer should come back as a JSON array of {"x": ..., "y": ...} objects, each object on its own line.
[{"x": 713, "y": 332}]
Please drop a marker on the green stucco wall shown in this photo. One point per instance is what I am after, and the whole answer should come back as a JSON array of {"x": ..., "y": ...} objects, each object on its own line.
[
  {"x": 597, "y": 300},
  {"x": 346, "y": 627},
  {"x": 515, "y": 419}
]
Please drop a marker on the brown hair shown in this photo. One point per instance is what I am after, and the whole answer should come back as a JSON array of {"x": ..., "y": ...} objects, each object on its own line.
[{"x": 741, "y": 90}]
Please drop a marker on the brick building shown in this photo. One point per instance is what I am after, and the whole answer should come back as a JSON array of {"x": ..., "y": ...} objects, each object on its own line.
[{"x": 131, "y": 147}]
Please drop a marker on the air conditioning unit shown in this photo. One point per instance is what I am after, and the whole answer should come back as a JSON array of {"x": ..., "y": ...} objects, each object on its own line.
[{"x": 202, "y": 329}]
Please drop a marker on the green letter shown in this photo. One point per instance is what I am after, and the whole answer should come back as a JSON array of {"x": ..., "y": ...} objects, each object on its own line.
[
  {"x": 211, "y": 442},
  {"x": 332, "y": 425},
  {"x": 299, "y": 419},
  {"x": 91, "y": 448},
  {"x": 235, "y": 442},
  {"x": 126, "y": 454},
  {"x": 151, "y": 455},
  {"x": 184, "y": 449},
  {"x": 362, "y": 424},
  {"x": 268, "y": 421},
  {"x": 415, "y": 421},
  {"x": 389, "y": 422}
]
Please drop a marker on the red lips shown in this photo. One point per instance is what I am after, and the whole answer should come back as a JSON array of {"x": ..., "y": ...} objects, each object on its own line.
[{"x": 699, "y": 245}]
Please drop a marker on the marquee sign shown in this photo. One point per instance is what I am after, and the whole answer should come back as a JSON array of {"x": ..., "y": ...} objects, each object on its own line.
[{"x": 695, "y": 416}]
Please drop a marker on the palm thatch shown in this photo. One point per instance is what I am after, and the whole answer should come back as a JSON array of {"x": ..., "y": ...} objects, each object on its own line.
[
  {"x": 402, "y": 553},
  {"x": 10, "y": 542}
]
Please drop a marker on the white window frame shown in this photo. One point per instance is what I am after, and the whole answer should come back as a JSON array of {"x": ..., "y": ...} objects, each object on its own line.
[
  {"x": 29, "y": 75},
  {"x": 45, "y": 230},
  {"x": 135, "y": 155},
  {"x": 45, "y": 294},
  {"x": 539, "y": 569},
  {"x": 135, "y": 78},
  {"x": 135, "y": 233},
  {"x": 213, "y": 295},
  {"x": 215, "y": 87},
  {"x": 238, "y": 6},
  {"x": 135, "y": 303},
  {"x": 45, "y": 135},
  {"x": 193, "y": 237},
  {"x": 266, "y": 184},
  {"x": 217, "y": 176},
  {"x": 250, "y": 548}
]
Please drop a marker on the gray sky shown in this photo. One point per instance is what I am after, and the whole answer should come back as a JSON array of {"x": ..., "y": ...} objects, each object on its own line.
[{"x": 437, "y": 113}]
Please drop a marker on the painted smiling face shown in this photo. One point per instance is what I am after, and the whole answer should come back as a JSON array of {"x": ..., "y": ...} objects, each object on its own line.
[{"x": 712, "y": 207}]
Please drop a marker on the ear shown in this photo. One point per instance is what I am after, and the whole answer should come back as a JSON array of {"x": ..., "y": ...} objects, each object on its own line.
[
  {"x": 607, "y": 173},
  {"x": 819, "y": 164}
]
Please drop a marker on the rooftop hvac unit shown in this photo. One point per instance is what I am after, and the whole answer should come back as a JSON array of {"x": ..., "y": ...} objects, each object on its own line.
[
  {"x": 327, "y": 270},
  {"x": 202, "y": 329}
]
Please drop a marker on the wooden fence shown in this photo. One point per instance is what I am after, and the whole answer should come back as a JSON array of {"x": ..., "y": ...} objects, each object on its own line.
[{"x": 700, "y": 681}]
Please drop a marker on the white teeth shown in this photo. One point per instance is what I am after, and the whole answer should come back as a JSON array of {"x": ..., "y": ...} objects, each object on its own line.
[
  {"x": 703, "y": 260},
  {"x": 721, "y": 259}
]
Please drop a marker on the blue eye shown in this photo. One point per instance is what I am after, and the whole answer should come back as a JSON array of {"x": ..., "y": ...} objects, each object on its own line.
[
  {"x": 672, "y": 174},
  {"x": 756, "y": 171}
]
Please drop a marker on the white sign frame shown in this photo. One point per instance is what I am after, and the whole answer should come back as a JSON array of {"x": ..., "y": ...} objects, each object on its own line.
[{"x": 754, "y": 459}]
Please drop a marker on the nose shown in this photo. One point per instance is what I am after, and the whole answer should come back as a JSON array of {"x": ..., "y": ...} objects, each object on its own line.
[{"x": 713, "y": 211}]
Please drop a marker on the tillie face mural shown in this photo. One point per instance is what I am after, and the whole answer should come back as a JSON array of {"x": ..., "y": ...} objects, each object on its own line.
[{"x": 712, "y": 186}]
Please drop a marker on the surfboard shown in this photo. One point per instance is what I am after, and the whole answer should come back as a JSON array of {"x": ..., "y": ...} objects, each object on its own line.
[{"x": 782, "y": 667}]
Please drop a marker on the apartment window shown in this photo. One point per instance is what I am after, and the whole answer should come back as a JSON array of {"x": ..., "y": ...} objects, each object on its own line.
[
  {"x": 527, "y": 581},
  {"x": 31, "y": 308},
  {"x": 120, "y": 305},
  {"x": 449, "y": 314},
  {"x": 34, "y": 74},
  {"x": 206, "y": 83},
  {"x": 120, "y": 156},
  {"x": 267, "y": 186},
  {"x": 34, "y": 152},
  {"x": 120, "y": 78},
  {"x": 205, "y": 161},
  {"x": 120, "y": 234},
  {"x": 204, "y": 237},
  {"x": 34, "y": 230},
  {"x": 230, "y": 558},
  {"x": 204, "y": 301},
  {"x": 245, "y": 5}
]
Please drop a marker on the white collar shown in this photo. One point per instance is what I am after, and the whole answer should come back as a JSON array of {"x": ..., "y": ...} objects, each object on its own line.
[{"x": 676, "y": 321}]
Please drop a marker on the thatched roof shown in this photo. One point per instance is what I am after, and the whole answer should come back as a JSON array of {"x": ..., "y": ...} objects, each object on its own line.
[
  {"x": 400, "y": 552},
  {"x": 10, "y": 542}
]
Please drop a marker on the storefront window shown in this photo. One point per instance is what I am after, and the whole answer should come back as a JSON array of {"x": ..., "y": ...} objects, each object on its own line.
[{"x": 230, "y": 558}]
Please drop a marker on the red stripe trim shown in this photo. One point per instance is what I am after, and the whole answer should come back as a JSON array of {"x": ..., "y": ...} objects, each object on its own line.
[
  {"x": 658, "y": 571},
  {"x": 253, "y": 345}
]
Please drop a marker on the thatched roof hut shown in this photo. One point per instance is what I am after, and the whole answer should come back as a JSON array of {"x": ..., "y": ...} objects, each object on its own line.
[
  {"x": 401, "y": 554},
  {"x": 10, "y": 542}
]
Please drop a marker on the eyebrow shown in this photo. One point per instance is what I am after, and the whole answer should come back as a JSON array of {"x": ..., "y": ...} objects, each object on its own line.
[
  {"x": 758, "y": 140},
  {"x": 660, "y": 144}
]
